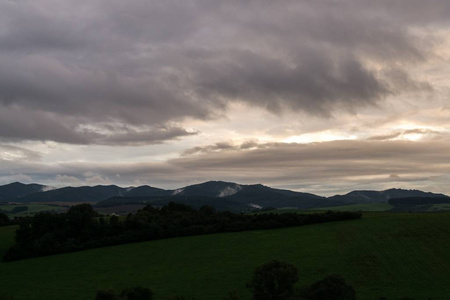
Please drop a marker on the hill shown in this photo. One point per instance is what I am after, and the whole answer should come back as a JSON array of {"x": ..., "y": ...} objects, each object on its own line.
[
  {"x": 384, "y": 254},
  {"x": 222, "y": 195},
  {"x": 228, "y": 196},
  {"x": 381, "y": 196},
  {"x": 420, "y": 204},
  {"x": 14, "y": 190},
  {"x": 74, "y": 194}
]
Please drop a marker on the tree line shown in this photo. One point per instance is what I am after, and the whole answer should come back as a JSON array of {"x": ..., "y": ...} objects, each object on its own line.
[{"x": 81, "y": 227}]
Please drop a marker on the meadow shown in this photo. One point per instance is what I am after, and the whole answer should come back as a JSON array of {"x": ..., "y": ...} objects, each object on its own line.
[
  {"x": 359, "y": 207},
  {"x": 31, "y": 209},
  {"x": 382, "y": 254}
]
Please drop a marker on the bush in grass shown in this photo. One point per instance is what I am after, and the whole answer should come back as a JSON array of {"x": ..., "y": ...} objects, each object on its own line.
[
  {"x": 332, "y": 287},
  {"x": 106, "y": 295},
  {"x": 232, "y": 295},
  {"x": 273, "y": 280},
  {"x": 136, "y": 293},
  {"x": 4, "y": 220}
]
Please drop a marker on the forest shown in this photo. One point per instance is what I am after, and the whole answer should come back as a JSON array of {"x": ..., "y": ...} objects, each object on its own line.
[{"x": 81, "y": 227}]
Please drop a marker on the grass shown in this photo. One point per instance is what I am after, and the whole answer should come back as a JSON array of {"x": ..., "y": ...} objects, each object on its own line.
[
  {"x": 383, "y": 254},
  {"x": 439, "y": 207},
  {"x": 32, "y": 208},
  {"x": 359, "y": 207}
]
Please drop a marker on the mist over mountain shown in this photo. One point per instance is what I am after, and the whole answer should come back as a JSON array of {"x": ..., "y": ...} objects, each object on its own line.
[{"x": 219, "y": 194}]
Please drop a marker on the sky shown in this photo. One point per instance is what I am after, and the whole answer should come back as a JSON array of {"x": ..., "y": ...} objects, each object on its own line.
[{"x": 321, "y": 96}]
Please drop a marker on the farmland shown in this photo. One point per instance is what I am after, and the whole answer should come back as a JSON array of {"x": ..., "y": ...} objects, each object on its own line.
[
  {"x": 31, "y": 209},
  {"x": 383, "y": 254},
  {"x": 359, "y": 207}
]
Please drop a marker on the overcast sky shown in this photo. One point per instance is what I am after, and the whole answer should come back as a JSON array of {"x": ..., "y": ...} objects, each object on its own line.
[{"x": 319, "y": 96}]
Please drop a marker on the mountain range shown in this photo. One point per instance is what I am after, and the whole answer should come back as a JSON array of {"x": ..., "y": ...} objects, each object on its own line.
[{"x": 219, "y": 194}]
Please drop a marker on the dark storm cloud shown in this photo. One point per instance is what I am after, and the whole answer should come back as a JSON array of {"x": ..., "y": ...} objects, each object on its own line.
[
  {"x": 16, "y": 124},
  {"x": 134, "y": 137},
  {"x": 65, "y": 67}
]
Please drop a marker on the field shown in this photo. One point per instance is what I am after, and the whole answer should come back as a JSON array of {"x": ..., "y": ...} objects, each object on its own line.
[
  {"x": 32, "y": 208},
  {"x": 439, "y": 207},
  {"x": 359, "y": 207},
  {"x": 383, "y": 254}
]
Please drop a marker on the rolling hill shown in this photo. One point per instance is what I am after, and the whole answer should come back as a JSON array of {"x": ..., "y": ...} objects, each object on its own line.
[
  {"x": 12, "y": 191},
  {"x": 219, "y": 194},
  {"x": 381, "y": 196}
]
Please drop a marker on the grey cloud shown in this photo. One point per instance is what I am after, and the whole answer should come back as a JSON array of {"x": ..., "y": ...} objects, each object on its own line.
[
  {"x": 225, "y": 146},
  {"x": 16, "y": 124},
  {"x": 397, "y": 134},
  {"x": 152, "y": 136},
  {"x": 151, "y": 64},
  {"x": 324, "y": 161},
  {"x": 14, "y": 153},
  {"x": 334, "y": 165}
]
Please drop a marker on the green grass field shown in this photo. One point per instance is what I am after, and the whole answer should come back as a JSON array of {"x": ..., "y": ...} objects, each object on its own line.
[
  {"x": 32, "y": 208},
  {"x": 359, "y": 207},
  {"x": 383, "y": 254},
  {"x": 439, "y": 207}
]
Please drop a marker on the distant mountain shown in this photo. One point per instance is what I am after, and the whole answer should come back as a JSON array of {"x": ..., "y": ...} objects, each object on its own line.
[
  {"x": 259, "y": 195},
  {"x": 381, "y": 196},
  {"x": 145, "y": 191},
  {"x": 231, "y": 196},
  {"x": 75, "y": 194},
  {"x": 14, "y": 190},
  {"x": 220, "y": 194},
  {"x": 217, "y": 189}
]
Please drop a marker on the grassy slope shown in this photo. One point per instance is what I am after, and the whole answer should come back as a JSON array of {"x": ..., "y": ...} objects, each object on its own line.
[
  {"x": 32, "y": 208},
  {"x": 439, "y": 207},
  {"x": 384, "y": 254}
]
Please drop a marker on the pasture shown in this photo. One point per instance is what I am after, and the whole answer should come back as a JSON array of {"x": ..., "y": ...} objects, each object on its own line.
[
  {"x": 383, "y": 254},
  {"x": 359, "y": 207}
]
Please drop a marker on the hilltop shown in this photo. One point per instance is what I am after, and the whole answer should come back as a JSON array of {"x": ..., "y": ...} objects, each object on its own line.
[{"x": 219, "y": 194}]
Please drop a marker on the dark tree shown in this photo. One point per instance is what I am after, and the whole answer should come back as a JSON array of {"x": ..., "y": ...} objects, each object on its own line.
[
  {"x": 136, "y": 293},
  {"x": 232, "y": 295},
  {"x": 273, "y": 280},
  {"x": 332, "y": 287},
  {"x": 106, "y": 295},
  {"x": 19, "y": 209},
  {"x": 4, "y": 220}
]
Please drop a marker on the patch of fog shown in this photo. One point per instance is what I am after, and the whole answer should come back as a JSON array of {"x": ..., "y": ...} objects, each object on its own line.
[
  {"x": 130, "y": 188},
  {"x": 177, "y": 191},
  {"x": 47, "y": 188},
  {"x": 228, "y": 191},
  {"x": 255, "y": 206}
]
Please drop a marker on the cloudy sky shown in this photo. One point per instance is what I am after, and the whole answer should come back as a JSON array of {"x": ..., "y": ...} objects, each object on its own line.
[{"x": 319, "y": 96}]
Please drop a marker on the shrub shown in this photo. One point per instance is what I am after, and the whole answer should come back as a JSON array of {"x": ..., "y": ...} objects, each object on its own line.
[
  {"x": 332, "y": 287},
  {"x": 273, "y": 280},
  {"x": 136, "y": 293}
]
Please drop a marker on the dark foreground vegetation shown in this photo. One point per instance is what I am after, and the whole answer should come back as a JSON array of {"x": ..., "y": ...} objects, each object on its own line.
[
  {"x": 4, "y": 220},
  {"x": 82, "y": 228},
  {"x": 274, "y": 280}
]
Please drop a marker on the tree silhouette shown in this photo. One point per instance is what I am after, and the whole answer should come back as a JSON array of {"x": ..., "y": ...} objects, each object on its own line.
[{"x": 273, "y": 280}]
